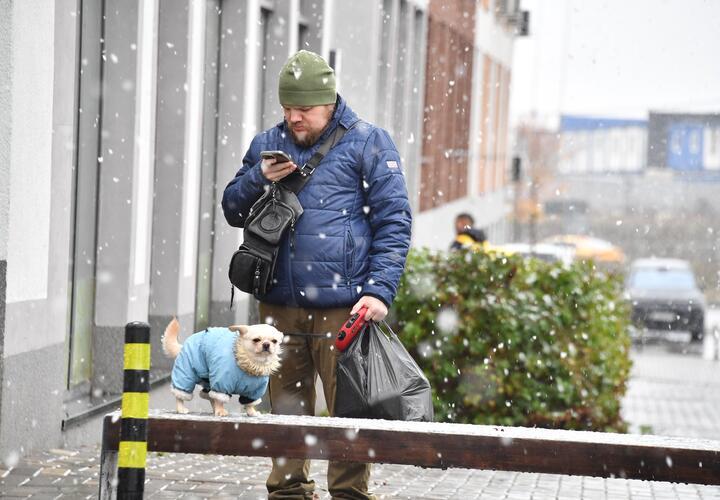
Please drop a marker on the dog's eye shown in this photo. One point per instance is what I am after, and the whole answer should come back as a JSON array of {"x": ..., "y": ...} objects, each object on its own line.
[
  {"x": 274, "y": 341},
  {"x": 256, "y": 340}
]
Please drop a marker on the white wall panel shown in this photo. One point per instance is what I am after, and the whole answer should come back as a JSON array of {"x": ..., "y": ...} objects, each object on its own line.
[
  {"x": 33, "y": 32},
  {"x": 711, "y": 148}
]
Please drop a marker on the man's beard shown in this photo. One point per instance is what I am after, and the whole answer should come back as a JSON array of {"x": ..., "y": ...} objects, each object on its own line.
[{"x": 310, "y": 137}]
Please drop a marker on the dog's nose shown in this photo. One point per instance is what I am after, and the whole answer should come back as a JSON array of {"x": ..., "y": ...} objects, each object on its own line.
[{"x": 266, "y": 346}]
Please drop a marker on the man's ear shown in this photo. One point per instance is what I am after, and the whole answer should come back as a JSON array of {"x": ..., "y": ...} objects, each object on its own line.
[{"x": 241, "y": 329}]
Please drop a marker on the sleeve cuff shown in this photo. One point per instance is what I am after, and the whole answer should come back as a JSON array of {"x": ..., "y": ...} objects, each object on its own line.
[
  {"x": 379, "y": 297},
  {"x": 258, "y": 180}
]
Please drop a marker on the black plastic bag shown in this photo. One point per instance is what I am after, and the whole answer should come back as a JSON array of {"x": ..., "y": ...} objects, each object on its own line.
[{"x": 377, "y": 378}]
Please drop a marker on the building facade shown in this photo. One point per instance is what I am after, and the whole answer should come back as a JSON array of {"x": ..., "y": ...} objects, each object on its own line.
[
  {"x": 465, "y": 123},
  {"x": 125, "y": 121},
  {"x": 593, "y": 145},
  {"x": 676, "y": 142},
  {"x": 684, "y": 142}
]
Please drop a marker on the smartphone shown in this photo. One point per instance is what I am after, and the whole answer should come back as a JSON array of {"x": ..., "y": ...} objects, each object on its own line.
[{"x": 280, "y": 156}]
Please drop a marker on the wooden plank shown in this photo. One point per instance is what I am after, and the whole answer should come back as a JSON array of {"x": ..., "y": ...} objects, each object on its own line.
[
  {"x": 436, "y": 445},
  {"x": 108, "y": 464}
]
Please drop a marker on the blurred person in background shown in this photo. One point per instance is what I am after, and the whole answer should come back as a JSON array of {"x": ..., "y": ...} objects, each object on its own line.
[{"x": 466, "y": 235}]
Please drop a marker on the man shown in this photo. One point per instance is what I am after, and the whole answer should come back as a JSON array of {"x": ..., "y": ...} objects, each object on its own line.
[
  {"x": 346, "y": 251},
  {"x": 466, "y": 236}
]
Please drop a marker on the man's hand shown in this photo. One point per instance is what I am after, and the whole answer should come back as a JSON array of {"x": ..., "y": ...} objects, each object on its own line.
[
  {"x": 376, "y": 310},
  {"x": 274, "y": 171}
]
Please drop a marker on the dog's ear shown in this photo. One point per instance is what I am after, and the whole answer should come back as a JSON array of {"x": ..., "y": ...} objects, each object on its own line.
[{"x": 241, "y": 329}]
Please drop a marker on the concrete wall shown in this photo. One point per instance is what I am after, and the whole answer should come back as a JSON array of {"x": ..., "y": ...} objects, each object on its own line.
[
  {"x": 380, "y": 64},
  {"x": 205, "y": 300},
  {"x": 6, "y": 71},
  {"x": 354, "y": 43},
  {"x": 435, "y": 228},
  {"x": 176, "y": 179},
  {"x": 40, "y": 109},
  {"x": 125, "y": 200}
]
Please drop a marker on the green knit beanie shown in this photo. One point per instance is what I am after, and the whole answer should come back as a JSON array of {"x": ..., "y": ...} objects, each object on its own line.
[{"x": 306, "y": 80}]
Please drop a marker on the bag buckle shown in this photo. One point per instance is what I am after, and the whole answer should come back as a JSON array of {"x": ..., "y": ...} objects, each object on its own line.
[{"x": 306, "y": 170}]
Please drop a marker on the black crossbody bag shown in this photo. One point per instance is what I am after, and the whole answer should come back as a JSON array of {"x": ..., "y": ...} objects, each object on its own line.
[{"x": 252, "y": 267}]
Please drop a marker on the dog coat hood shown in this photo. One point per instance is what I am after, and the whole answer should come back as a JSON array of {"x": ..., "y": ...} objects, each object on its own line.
[{"x": 207, "y": 358}]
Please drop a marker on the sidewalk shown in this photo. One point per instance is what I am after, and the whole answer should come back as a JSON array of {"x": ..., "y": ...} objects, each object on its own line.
[
  {"x": 74, "y": 474},
  {"x": 669, "y": 394},
  {"x": 673, "y": 394}
]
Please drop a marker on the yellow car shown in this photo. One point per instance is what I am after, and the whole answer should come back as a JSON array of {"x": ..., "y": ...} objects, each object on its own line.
[{"x": 589, "y": 248}]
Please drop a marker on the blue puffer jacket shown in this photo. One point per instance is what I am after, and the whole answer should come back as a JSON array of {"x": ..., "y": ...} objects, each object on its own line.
[
  {"x": 210, "y": 356},
  {"x": 354, "y": 234}
]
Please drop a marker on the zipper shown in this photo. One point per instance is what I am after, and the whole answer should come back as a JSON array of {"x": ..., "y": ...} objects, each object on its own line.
[
  {"x": 292, "y": 234},
  {"x": 348, "y": 257}
]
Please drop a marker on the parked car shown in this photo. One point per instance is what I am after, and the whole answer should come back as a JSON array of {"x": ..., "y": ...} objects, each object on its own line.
[
  {"x": 543, "y": 251},
  {"x": 665, "y": 298}
]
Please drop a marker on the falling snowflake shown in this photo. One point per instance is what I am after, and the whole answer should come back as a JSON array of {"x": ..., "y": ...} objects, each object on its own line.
[
  {"x": 447, "y": 320},
  {"x": 12, "y": 459}
]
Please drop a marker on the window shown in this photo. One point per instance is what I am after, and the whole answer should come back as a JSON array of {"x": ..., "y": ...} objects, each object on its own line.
[{"x": 694, "y": 142}]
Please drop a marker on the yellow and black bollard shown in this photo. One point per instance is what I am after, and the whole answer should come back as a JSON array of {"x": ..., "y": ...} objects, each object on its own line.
[{"x": 132, "y": 451}]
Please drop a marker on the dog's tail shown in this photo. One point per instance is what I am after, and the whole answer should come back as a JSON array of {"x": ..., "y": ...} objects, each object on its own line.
[{"x": 171, "y": 346}]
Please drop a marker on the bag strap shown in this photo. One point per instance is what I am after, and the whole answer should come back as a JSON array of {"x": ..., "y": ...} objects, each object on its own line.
[{"x": 296, "y": 181}]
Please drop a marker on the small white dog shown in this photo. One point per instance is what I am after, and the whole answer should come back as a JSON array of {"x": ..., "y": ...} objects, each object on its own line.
[{"x": 224, "y": 361}]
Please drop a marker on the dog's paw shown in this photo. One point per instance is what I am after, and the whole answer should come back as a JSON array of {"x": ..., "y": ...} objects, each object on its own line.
[
  {"x": 183, "y": 411},
  {"x": 221, "y": 412},
  {"x": 252, "y": 412}
]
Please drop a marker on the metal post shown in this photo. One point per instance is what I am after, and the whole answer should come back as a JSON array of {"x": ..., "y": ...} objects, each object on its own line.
[
  {"x": 132, "y": 451},
  {"x": 533, "y": 216}
]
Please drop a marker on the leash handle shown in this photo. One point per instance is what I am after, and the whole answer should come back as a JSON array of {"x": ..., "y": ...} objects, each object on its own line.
[{"x": 350, "y": 329}]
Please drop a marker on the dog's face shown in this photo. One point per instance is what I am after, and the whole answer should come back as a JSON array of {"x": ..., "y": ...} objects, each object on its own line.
[{"x": 259, "y": 341}]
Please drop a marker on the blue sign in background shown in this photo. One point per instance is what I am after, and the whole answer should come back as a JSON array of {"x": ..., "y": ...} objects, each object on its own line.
[{"x": 685, "y": 146}]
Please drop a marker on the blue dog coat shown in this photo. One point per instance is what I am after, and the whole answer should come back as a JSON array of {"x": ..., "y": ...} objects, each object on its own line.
[{"x": 207, "y": 358}]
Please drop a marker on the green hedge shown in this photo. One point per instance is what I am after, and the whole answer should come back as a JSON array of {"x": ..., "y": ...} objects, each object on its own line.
[{"x": 512, "y": 341}]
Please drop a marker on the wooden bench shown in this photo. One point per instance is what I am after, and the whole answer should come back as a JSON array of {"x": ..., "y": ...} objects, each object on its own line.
[{"x": 437, "y": 445}]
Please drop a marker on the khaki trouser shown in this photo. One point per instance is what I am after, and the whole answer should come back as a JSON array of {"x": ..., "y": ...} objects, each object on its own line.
[{"x": 292, "y": 392}]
